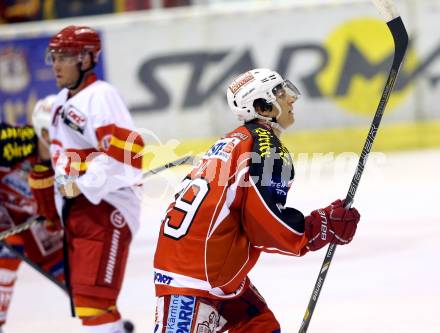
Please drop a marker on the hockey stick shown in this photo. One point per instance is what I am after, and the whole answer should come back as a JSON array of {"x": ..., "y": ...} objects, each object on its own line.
[
  {"x": 28, "y": 261},
  {"x": 22, "y": 227},
  {"x": 400, "y": 37},
  {"x": 128, "y": 325},
  {"x": 185, "y": 160},
  {"x": 181, "y": 161},
  {"x": 33, "y": 220}
]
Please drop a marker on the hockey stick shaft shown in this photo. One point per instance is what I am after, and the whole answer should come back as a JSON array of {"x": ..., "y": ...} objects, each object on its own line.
[
  {"x": 181, "y": 161},
  {"x": 49, "y": 276},
  {"x": 400, "y": 37},
  {"x": 186, "y": 160},
  {"x": 33, "y": 265},
  {"x": 22, "y": 227}
]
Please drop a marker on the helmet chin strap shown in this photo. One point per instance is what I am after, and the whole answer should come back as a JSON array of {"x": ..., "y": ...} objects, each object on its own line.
[
  {"x": 272, "y": 121},
  {"x": 80, "y": 78},
  {"x": 81, "y": 75}
]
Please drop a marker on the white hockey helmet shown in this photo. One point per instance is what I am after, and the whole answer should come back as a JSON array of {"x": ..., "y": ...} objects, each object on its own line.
[
  {"x": 260, "y": 83},
  {"x": 41, "y": 116}
]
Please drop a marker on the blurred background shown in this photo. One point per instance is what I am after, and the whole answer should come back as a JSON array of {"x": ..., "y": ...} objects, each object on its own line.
[{"x": 172, "y": 60}]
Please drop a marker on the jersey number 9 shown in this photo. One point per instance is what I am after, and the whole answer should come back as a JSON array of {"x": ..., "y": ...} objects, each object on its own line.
[{"x": 180, "y": 217}]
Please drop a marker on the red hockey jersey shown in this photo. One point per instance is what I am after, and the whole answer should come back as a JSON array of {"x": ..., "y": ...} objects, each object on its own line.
[{"x": 226, "y": 211}]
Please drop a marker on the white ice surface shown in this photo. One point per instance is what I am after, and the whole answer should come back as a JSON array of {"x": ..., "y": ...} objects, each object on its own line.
[{"x": 386, "y": 280}]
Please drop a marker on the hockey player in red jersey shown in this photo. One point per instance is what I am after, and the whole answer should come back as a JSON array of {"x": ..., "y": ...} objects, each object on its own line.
[
  {"x": 20, "y": 150},
  {"x": 229, "y": 209},
  {"x": 95, "y": 153}
]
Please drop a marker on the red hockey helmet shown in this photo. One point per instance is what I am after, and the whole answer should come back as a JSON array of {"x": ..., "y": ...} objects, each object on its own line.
[{"x": 75, "y": 40}]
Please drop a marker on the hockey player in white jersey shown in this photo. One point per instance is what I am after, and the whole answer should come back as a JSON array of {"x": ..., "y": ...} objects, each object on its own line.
[{"x": 95, "y": 152}]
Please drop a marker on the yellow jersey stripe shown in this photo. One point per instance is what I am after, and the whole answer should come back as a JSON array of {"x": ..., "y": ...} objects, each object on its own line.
[{"x": 130, "y": 146}]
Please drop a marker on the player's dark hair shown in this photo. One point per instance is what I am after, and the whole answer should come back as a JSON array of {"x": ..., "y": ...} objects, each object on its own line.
[{"x": 261, "y": 105}]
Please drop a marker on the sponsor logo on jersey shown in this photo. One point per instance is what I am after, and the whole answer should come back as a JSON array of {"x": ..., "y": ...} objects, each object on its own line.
[
  {"x": 117, "y": 219},
  {"x": 75, "y": 119},
  {"x": 161, "y": 278},
  {"x": 211, "y": 324},
  {"x": 280, "y": 188},
  {"x": 265, "y": 144},
  {"x": 17, "y": 133},
  {"x": 222, "y": 149},
  {"x": 180, "y": 314},
  {"x": 14, "y": 150},
  {"x": 239, "y": 135},
  {"x": 285, "y": 155}
]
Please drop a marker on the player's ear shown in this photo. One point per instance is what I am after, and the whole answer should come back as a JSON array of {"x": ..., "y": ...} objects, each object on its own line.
[
  {"x": 45, "y": 135},
  {"x": 87, "y": 62}
]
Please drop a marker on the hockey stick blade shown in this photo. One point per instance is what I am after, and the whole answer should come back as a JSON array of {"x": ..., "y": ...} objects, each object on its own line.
[
  {"x": 400, "y": 37},
  {"x": 387, "y": 9},
  {"x": 186, "y": 160}
]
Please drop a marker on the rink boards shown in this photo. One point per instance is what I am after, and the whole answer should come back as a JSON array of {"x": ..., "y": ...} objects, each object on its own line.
[{"x": 172, "y": 68}]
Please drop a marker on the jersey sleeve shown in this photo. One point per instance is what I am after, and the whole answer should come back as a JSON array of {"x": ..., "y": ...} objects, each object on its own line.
[
  {"x": 16, "y": 144},
  {"x": 271, "y": 226},
  {"x": 119, "y": 163}
]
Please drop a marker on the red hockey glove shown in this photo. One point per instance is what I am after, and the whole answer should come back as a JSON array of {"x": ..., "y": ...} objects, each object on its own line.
[
  {"x": 41, "y": 182},
  {"x": 333, "y": 224}
]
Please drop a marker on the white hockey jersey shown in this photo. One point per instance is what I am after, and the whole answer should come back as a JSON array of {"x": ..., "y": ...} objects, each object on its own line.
[{"x": 93, "y": 138}]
